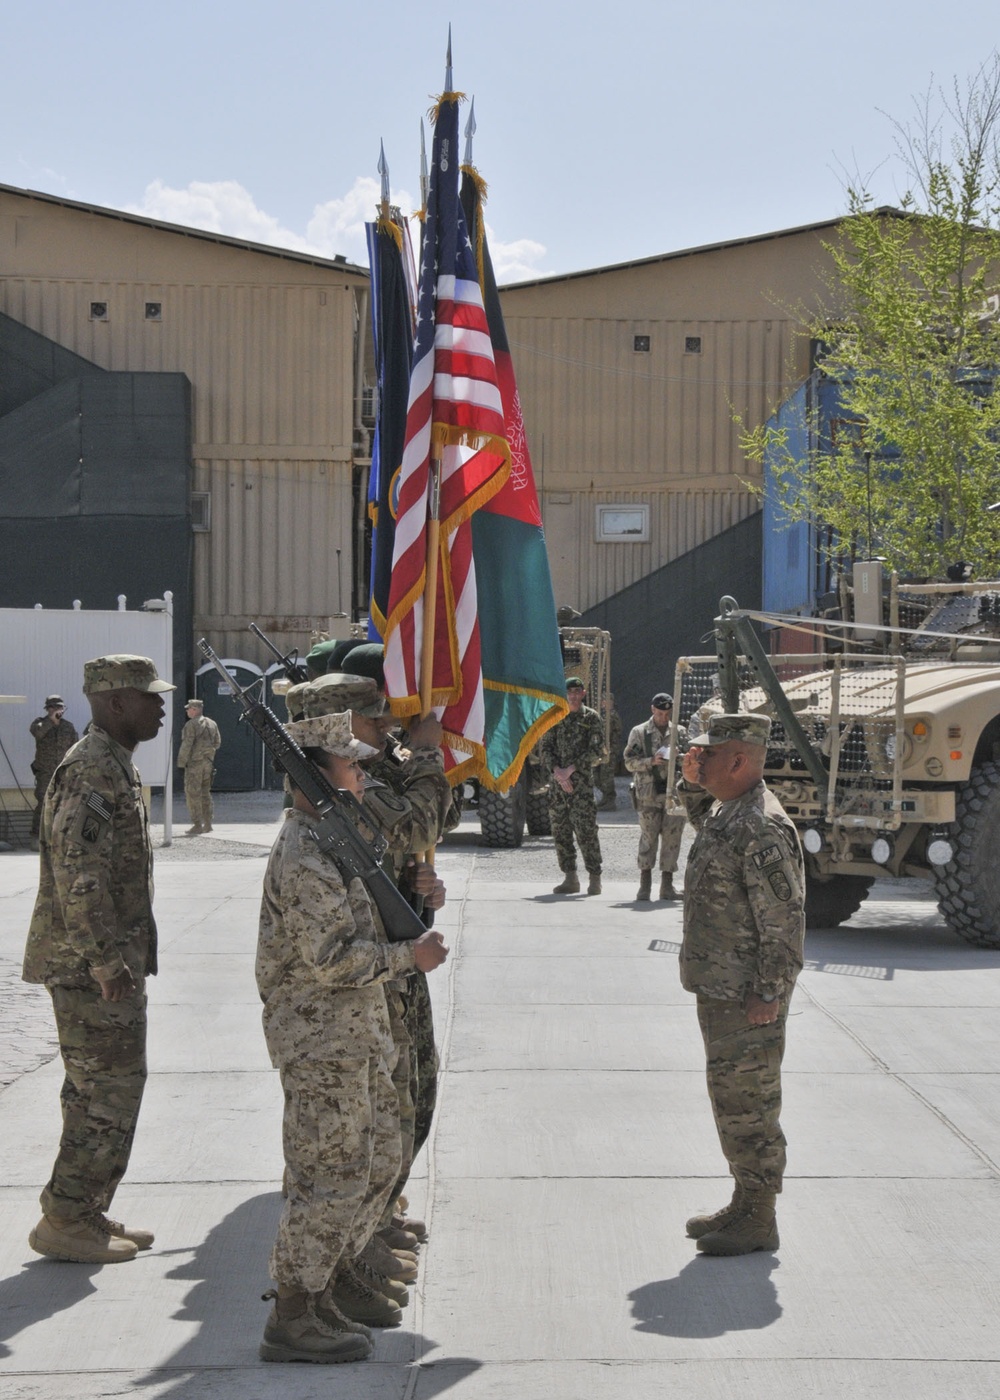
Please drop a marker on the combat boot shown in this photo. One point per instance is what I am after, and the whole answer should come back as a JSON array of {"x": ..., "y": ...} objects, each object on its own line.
[
  {"x": 389, "y": 1264},
  {"x": 142, "y": 1239},
  {"x": 398, "y": 1237},
  {"x": 390, "y": 1288},
  {"x": 296, "y": 1331},
  {"x": 754, "y": 1227},
  {"x": 667, "y": 890},
  {"x": 700, "y": 1225},
  {"x": 80, "y": 1241},
  {"x": 594, "y": 884},
  {"x": 206, "y": 829},
  {"x": 570, "y": 884},
  {"x": 195, "y": 830},
  {"x": 357, "y": 1300},
  {"x": 645, "y": 890},
  {"x": 414, "y": 1227}
]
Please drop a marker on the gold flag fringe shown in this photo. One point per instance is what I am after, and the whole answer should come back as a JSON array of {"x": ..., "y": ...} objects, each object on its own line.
[{"x": 438, "y": 103}]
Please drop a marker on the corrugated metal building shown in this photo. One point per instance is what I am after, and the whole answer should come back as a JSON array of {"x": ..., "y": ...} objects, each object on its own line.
[
  {"x": 630, "y": 377},
  {"x": 273, "y": 344}
]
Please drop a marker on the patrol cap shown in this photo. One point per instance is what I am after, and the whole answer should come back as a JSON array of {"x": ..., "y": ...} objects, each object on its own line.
[
  {"x": 199, "y": 703},
  {"x": 332, "y": 733},
  {"x": 748, "y": 729},
  {"x": 336, "y": 692},
  {"x": 662, "y": 701},
  {"x": 575, "y": 683},
  {"x": 366, "y": 659},
  {"x": 54, "y": 702},
  {"x": 122, "y": 672}
]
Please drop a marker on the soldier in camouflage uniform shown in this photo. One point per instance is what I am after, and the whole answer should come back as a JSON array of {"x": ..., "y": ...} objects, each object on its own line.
[
  {"x": 92, "y": 942},
  {"x": 570, "y": 751},
  {"x": 411, "y": 806},
  {"x": 647, "y": 756},
  {"x": 54, "y": 736},
  {"x": 744, "y": 925},
  {"x": 323, "y": 964},
  {"x": 200, "y": 739}
]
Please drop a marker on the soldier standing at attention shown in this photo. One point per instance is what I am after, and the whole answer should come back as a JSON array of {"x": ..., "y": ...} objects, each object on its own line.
[
  {"x": 570, "y": 750},
  {"x": 744, "y": 925},
  {"x": 92, "y": 942},
  {"x": 54, "y": 736},
  {"x": 199, "y": 740},
  {"x": 322, "y": 968},
  {"x": 648, "y": 757}
]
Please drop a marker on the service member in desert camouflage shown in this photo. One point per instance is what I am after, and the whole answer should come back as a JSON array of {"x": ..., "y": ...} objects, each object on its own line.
[
  {"x": 744, "y": 925},
  {"x": 92, "y": 942},
  {"x": 54, "y": 736},
  {"x": 322, "y": 967},
  {"x": 648, "y": 758},
  {"x": 570, "y": 751},
  {"x": 200, "y": 739},
  {"x": 411, "y": 806}
]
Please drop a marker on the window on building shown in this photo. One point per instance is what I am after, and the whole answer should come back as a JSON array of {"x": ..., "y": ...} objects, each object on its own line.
[
  {"x": 98, "y": 310},
  {"x": 692, "y": 345},
  {"x": 640, "y": 343},
  {"x": 201, "y": 511},
  {"x": 154, "y": 310}
]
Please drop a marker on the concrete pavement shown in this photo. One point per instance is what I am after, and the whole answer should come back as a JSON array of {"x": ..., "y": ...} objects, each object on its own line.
[{"x": 573, "y": 1139}]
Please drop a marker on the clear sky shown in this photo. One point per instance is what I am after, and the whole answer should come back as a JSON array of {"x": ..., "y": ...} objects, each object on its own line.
[{"x": 606, "y": 131}]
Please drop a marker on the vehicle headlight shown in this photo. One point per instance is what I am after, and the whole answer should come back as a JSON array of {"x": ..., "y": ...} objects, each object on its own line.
[{"x": 889, "y": 748}]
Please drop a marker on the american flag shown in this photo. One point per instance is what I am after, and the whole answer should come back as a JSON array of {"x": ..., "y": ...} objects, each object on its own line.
[{"x": 454, "y": 412}]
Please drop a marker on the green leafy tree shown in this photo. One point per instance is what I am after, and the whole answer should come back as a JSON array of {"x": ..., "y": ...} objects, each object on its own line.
[{"x": 911, "y": 337}]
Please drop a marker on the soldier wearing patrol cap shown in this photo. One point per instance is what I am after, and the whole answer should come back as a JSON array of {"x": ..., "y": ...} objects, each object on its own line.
[
  {"x": 92, "y": 942},
  {"x": 410, "y": 803},
  {"x": 54, "y": 736},
  {"x": 200, "y": 740},
  {"x": 744, "y": 925},
  {"x": 648, "y": 759},
  {"x": 570, "y": 751}
]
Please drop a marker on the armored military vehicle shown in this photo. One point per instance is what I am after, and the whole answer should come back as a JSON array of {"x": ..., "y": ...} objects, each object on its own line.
[{"x": 885, "y": 749}]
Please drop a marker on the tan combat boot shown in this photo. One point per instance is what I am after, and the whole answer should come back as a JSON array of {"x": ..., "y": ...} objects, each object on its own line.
[
  {"x": 645, "y": 890},
  {"x": 594, "y": 884},
  {"x": 753, "y": 1228},
  {"x": 700, "y": 1225},
  {"x": 142, "y": 1239},
  {"x": 388, "y": 1262},
  {"x": 354, "y": 1296},
  {"x": 195, "y": 830},
  {"x": 398, "y": 1236},
  {"x": 296, "y": 1331},
  {"x": 667, "y": 890},
  {"x": 570, "y": 884},
  {"x": 402, "y": 1221},
  {"x": 80, "y": 1241},
  {"x": 391, "y": 1288}
]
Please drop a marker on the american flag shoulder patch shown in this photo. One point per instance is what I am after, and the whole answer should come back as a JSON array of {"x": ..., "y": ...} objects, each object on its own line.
[{"x": 100, "y": 806}]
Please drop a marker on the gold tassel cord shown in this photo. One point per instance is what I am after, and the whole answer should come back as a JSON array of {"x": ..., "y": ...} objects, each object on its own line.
[{"x": 438, "y": 103}]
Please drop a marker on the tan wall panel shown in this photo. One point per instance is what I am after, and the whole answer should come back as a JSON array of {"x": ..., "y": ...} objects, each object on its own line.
[{"x": 586, "y": 571}]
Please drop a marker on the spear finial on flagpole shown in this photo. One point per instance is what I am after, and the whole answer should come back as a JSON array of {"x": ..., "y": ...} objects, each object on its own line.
[
  {"x": 448, "y": 83},
  {"x": 383, "y": 170},
  {"x": 470, "y": 131},
  {"x": 424, "y": 182}
]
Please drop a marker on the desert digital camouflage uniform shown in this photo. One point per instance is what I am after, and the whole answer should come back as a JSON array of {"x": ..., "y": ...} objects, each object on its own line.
[
  {"x": 411, "y": 810},
  {"x": 94, "y": 914},
  {"x": 200, "y": 739},
  {"x": 658, "y": 824},
  {"x": 322, "y": 968},
  {"x": 577, "y": 739},
  {"x": 744, "y": 925},
  {"x": 52, "y": 742}
]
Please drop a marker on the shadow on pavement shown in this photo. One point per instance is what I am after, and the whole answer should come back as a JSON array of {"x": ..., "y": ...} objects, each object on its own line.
[
  {"x": 42, "y": 1289},
  {"x": 710, "y": 1297}
]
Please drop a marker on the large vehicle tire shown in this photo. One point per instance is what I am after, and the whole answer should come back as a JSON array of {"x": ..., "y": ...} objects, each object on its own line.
[
  {"x": 968, "y": 887},
  {"x": 831, "y": 902},
  {"x": 502, "y": 816},
  {"x": 537, "y": 814}
]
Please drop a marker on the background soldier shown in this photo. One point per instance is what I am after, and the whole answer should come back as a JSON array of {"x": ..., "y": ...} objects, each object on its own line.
[
  {"x": 744, "y": 925},
  {"x": 648, "y": 757},
  {"x": 200, "y": 738},
  {"x": 570, "y": 751},
  {"x": 54, "y": 736},
  {"x": 92, "y": 942}
]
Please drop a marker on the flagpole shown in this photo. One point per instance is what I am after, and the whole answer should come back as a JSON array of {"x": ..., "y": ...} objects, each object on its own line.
[{"x": 431, "y": 584}]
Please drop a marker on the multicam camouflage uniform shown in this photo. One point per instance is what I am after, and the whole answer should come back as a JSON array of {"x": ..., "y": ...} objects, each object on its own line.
[
  {"x": 658, "y": 824},
  {"x": 52, "y": 742},
  {"x": 94, "y": 915},
  {"x": 577, "y": 739},
  {"x": 322, "y": 968},
  {"x": 200, "y": 739},
  {"x": 744, "y": 924}
]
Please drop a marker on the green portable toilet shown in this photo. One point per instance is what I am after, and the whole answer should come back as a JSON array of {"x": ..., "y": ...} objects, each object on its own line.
[{"x": 239, "y": 761}]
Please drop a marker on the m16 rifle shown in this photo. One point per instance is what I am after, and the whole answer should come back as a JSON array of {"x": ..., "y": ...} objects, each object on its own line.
[
  {"x": 295, "y": 670},
  {"x": 337, "y": 832}
]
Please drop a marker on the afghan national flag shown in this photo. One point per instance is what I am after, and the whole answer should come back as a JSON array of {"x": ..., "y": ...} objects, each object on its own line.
[
  {"x": 392, "y": 335},
  {"x": 523, "y": 676},
  {"x": 455, "y": 414}
]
